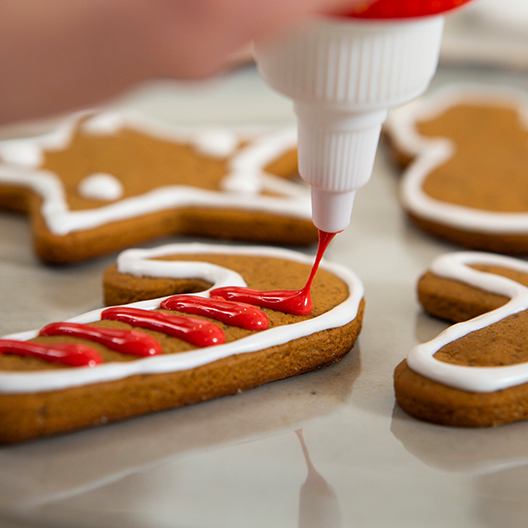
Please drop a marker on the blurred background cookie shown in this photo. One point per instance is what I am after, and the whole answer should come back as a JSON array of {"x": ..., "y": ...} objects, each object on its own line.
[
  {"x": 466, "y": 150},
  {"x": 103, "y": 182}
]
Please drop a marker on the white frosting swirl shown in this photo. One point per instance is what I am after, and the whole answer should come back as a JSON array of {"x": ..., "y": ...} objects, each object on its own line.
[
  {"x": 215, "y": 142},
  {"x": 139, "y": 262},
  {"x": 474, "y": 379}
]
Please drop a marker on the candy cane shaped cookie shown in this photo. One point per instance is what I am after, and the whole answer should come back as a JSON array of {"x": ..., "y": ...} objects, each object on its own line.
[
  {"x": 475, "y": 373},
  {"x": 175, "y": 350}
]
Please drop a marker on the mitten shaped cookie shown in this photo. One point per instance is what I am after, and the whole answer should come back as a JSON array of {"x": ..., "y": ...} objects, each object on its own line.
[{"x": 467, "y": 173}]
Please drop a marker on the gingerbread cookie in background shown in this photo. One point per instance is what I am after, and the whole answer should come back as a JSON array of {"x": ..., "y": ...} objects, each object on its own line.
[
  {"x": 466, "y": 151},
  {"x": 103, "y": 182},
  {"x": 90, "y": 371},
  {"x": 475, "y": 373}
]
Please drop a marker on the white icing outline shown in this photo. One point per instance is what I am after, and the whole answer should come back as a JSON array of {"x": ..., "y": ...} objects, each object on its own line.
[
  {"x": 246, "y": 177},
  {"x": 140, "y": 263},
  {"x": 474, "y": 379},
  {"x": 430, "y": 153}
]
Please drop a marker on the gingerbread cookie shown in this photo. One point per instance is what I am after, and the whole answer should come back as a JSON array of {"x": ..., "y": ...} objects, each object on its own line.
[
  {"x": 466, "y": 182},
  {"x": 475, "y": 373},
  {"x": 108, "y": 181},
  {"x": 125, "y": 361}
]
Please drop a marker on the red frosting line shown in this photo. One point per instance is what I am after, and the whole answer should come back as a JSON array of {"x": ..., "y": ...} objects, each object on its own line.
[
  {"x": 297, "y": 302},
  {"x": 388, "y": 9},
  {"x": 237, "y": 314},
  {"x": 125, "y": 341},
  {"x": 73, "y": 355},
  {"x": 198, "y": 332}
]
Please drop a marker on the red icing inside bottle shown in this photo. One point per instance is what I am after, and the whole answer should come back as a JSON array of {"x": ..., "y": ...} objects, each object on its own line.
[
  {"x": 297, "y": 302},
  {"x": 238, "y": 314},
  {"x": 387, "y": 9},
  {"x": 125, "y": 341},
  {"x": 198, "y": 332},
  {"x": 71, "y": 354}
]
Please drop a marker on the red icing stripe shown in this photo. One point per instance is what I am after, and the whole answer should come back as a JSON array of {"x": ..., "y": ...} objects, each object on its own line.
[
  {"x": 232, "y": 313},
  {"x": 198, "y": 332},
  {"x": 125, "y": 341},
  {"x": 73, "y": 355},
  {"x": 296, "y": 302}
]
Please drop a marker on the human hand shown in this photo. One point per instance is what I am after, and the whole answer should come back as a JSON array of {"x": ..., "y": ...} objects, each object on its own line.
[{"x": 61, "y": 54}]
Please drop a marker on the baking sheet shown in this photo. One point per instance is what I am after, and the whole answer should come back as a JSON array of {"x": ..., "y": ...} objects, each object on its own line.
[{"x": 326, "y": 449}]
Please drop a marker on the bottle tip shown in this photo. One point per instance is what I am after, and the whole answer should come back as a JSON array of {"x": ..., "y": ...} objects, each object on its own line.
[{"x": 331, "y": 210}]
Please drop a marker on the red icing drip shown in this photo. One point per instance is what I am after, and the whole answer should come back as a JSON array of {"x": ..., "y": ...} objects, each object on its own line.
[
  {"x": 124, "y": 341},
  {"x": 297, "y": 302},
  {"x": 232, "y": 313},
  {"x": 73, "y": 355},
  {"x": 388, "y": 9},
  {"x": 198, "y": 332},
  {"x": 324, "y": 239}
]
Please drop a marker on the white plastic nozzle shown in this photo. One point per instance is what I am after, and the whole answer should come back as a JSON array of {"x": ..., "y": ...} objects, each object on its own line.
[
  {"x": 344, "y": 75},
  {"x": 336, "y": 155},
  {"x": 331, "y": 210}
]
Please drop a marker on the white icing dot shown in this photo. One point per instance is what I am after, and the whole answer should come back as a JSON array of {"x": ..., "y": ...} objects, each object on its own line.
[
  {"x": 242, "y": 182},
  {"x": 106, "y": 123},
  {"x": 217, "y": 143},
  {"x": 101, "y": 186}
]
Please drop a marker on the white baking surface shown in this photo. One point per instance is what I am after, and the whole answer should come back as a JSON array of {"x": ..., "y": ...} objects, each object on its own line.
[{"x": 239, "y": 462}]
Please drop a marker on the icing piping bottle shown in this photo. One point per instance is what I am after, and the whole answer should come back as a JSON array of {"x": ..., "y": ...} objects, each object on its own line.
[{"x": 344, "y": 73}]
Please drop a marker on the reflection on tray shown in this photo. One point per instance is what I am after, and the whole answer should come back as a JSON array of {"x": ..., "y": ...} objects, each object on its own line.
[
  {"x": 497, "y": 458},
  {"x": 456, "y": 449},
  {"x": 318, "y": 504},
  {"x": 53, "y": 469}
]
